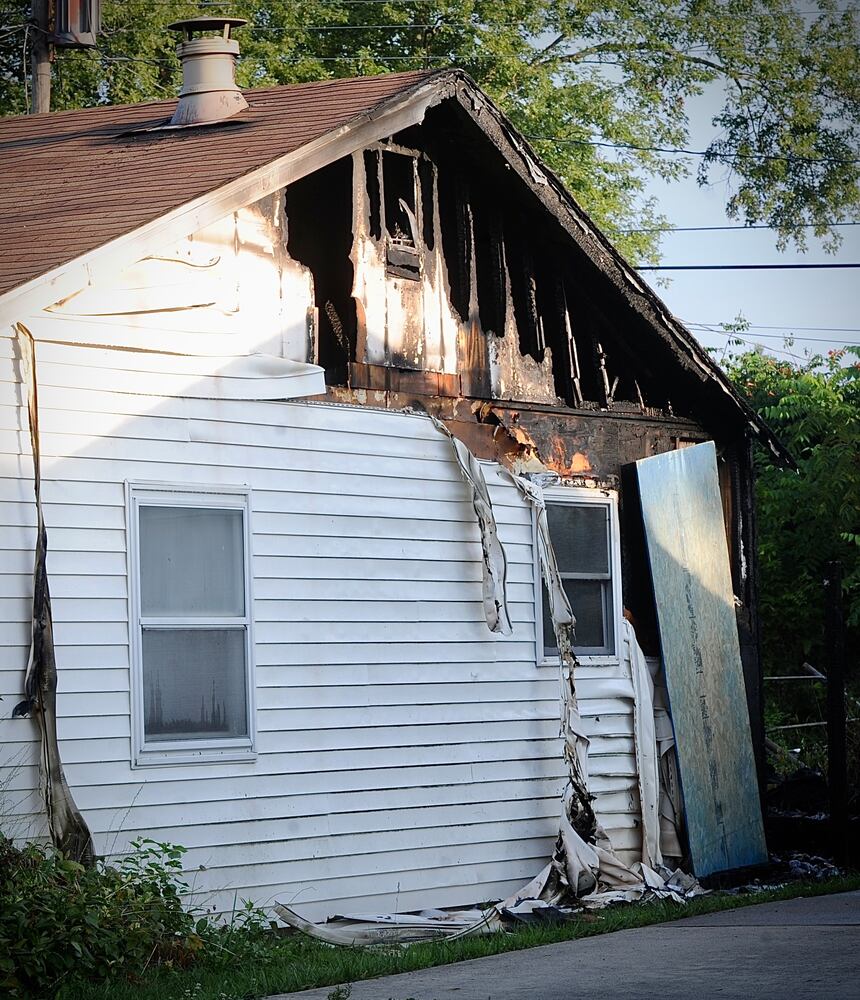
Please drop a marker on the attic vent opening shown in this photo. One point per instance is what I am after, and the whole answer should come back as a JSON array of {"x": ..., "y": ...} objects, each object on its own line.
[
  {"x": 401, "y": 210},
  {"x": 209, "y": 92}
]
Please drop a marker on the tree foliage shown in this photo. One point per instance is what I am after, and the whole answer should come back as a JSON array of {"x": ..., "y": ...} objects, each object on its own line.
[
  {"x": 809, "y": 517},
  {"x": 570, "y": 73}
]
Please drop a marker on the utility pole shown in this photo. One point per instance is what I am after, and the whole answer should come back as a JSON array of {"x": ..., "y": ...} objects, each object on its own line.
[{"x": 40, "y": 56}]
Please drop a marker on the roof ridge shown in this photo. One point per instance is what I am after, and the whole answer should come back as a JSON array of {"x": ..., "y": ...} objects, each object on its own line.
[{"x": 165, "y": 102}]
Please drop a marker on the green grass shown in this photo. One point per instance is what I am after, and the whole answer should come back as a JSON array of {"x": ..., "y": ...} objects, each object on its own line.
[{"x": 285, "y": 964}]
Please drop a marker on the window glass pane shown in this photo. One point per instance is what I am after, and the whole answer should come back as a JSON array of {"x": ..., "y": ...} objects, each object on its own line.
[
  {"x": 191, "y": 561},
  {"x": 591, "y": 601},
  {"x": 194, "y": 683},
  {"x": 580, "y": 537}
]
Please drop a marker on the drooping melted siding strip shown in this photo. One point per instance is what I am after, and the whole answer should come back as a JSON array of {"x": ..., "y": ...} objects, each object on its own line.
[{"x": 406, "y": 755}]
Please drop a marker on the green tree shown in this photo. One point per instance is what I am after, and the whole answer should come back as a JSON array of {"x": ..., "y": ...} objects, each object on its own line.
[
  {"x": 809, "y": 517},
  {"x": 570, "y": 73}
]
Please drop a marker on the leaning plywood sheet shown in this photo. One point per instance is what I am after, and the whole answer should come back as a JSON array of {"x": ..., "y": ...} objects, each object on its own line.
[{"x": 687, "y": 549}]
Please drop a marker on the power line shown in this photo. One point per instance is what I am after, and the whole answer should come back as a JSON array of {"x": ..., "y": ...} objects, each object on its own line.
[
  {"x": 739, "y": 267},
  {"x": 373, "y": 57},
  {"x": 703, "y": 328},
  {"x": 394, "y": 3},
  {"x": 815, "y": 329},
  {"x": 379, "y": 27},
  {"x": 709, "y": 229},
  {"x": 788, "y": 158},
  {"x": 772, "y": 350}
]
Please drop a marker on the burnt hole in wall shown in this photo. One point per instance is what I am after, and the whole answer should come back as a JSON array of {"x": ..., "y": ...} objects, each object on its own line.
[
  {"x": 319, "y": 224},
  {"x": 455, "y": 230},
  {"x": 623, "y": 388},
  {"x": 589, "y": 375},
  {"x": 371, "y": 172},
  {"x": 551, "y": 310},
  {"x": 489, "y": 268},
  {"x": 402, "y": 226},
  {"x": 523, "y": 289},
  {"x": 398, "y": 183},
  {"x": 428, "y": 199}
]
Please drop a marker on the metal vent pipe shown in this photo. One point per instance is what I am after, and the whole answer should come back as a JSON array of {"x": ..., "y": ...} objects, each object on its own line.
[{"x": 209, "y": 93}]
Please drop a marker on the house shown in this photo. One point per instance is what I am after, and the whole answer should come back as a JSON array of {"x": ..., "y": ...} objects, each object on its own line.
[{"x": 251, "y": 323}]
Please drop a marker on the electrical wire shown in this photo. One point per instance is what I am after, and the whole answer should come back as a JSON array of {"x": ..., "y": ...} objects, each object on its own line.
[
  {"x": 772, "y": 350},
  {"x": 814, "y": 329},
  {"x": 105, "y": 57},
  {"x": 395, "y": 3},
  {"x": 710, "y": 229},
  {"x": 704, "y": 328},
  {"x": 674, "y": 150},
  {"x": 741, "y": 267}
]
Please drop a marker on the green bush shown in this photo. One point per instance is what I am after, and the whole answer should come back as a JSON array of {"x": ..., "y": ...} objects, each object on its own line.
[{"x": 59, "y": 920}]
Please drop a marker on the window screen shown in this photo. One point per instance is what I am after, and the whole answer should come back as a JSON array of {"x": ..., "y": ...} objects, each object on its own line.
[
  {"x": 580, "y": 535},
  {"x": 194, "y": 683},
  {"x": 193, "y": 623}
]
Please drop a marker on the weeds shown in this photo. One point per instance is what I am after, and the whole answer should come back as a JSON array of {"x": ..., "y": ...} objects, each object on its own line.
[{"x": 61, "y": 921}]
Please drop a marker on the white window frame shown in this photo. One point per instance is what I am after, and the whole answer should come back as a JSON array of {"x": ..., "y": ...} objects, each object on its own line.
[
  {"x": 578, "y": 496},
  {"x": 185, "y": 751}
]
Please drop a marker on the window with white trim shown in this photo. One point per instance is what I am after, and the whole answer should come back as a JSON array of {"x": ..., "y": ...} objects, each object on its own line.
[
  {"x": 584, "y": 533},
  {"x": 192, "y": 623}
]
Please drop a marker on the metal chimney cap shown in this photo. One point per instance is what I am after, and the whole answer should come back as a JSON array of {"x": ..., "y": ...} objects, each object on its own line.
[
  {"x": 209, "y": 93},
  {"x": 224, "y": 24}
]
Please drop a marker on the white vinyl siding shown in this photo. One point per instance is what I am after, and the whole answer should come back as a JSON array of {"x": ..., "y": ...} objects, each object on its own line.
[{"x": 405, "y": 756}]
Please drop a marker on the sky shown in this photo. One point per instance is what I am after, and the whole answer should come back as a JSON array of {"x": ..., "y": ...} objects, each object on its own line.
[{"x": 826, "y": 300}]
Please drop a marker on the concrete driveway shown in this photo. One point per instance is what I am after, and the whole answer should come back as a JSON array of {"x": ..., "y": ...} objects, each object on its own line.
[{"x": 801, "y": 949}]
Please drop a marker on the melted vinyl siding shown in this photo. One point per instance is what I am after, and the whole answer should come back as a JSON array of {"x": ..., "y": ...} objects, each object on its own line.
[{"x": 406, "y": 756}]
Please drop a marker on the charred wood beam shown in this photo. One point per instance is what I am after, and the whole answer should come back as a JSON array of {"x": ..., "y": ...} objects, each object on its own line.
[
  {"x": 606, "y": 264},
  {"x": 385, "y": 378},
  {"x": 571, "y": 355},
  {"x": 474, "y": 355},
  {"x": 600, "y": 358},
  {"x": 523, "y": 293}
]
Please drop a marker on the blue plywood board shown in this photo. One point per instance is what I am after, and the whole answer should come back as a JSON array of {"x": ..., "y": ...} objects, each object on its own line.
[{"x": 688, "y": 553}]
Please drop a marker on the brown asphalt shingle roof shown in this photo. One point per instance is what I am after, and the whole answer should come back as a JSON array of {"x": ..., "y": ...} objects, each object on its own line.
[{"x": 72, "y": 181}]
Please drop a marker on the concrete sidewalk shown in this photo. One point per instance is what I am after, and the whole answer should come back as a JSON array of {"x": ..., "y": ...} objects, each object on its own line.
[{"x": 802, "y": 949}]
